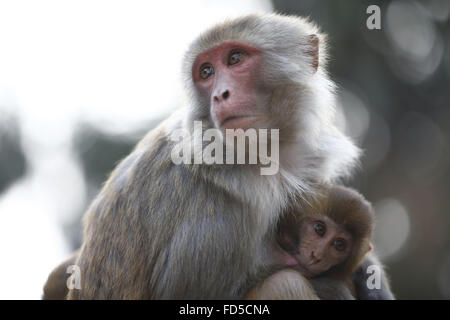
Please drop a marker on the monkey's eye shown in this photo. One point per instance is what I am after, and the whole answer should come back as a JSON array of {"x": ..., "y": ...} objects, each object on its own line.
[
  {"x": 320, "y": 228},
  {"x": 235, "y": 57},
  {"x": 206, "y": 71},
  {"x": 340, "y": 244}
]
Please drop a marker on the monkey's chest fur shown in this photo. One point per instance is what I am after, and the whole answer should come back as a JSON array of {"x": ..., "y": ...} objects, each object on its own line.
[{"x": 163, "y": 231}]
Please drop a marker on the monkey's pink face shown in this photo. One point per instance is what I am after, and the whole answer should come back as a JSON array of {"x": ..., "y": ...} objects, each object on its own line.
[
  {"x": 228, "y": 76},
  {"x": 323, "y": 245}
]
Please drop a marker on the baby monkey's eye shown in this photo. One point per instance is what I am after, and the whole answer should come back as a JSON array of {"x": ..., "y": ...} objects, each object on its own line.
[
  {"x": 206, "y": 70},
  {"x": 340, "y": 244},
  {"x": 320, "y": 228},
  {"x": 235, "y": 57}
]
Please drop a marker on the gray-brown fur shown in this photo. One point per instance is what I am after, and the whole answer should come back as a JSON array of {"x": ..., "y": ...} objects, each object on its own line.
[
  {"x": 143, "y": 237},
  {"x": 56, "y": 286},
  {"x": 163, "y": 231}
]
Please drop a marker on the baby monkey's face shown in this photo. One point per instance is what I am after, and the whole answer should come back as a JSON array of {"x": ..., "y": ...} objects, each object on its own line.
[{"x": 323, "y": 244}]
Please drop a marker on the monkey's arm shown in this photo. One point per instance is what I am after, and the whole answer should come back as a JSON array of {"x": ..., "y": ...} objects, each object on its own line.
[
  {"x": 331, "y": 289},
  {"x": 360, "y": 280},
  {"x": 280, "y": 283}
]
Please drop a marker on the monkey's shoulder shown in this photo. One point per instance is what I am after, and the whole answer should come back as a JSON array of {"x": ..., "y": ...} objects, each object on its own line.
[{"x": 148, "y": 179}]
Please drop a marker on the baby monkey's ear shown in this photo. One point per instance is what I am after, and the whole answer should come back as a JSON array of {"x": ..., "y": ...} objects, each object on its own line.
[
  {"x": 366, "y": 248},
  {"x": 288, "y": 237},
  {"x": 287, "y": 241},
  {"x": 313, "y": 41}
]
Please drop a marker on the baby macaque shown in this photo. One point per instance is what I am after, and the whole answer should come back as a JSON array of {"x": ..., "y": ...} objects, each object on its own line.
[
  {"x": 328, "y": 238},
  {"x": 320, "y": 245}
]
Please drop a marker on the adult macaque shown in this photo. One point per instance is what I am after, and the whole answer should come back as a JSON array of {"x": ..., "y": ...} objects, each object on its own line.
[
  {"x": 328, "y": 237},
  {"x": 160, "y": 230}
]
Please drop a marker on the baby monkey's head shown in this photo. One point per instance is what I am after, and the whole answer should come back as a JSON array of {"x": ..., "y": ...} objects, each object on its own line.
[{"x": 331, "y": 235}]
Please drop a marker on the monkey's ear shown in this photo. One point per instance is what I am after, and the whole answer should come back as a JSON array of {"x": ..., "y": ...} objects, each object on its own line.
[
  {"x": 288, "y": 239},
  {"x": 313, "y": 41}
]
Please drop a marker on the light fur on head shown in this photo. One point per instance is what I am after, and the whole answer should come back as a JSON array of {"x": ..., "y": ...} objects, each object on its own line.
[{"x": 312, "y": 149}]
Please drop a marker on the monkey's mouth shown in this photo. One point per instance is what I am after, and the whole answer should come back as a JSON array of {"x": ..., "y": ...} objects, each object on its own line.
[
  {"x": 237, "y": 122},
  {"x": 306, "y": 270},
  {"x": 314, "y": 262}
]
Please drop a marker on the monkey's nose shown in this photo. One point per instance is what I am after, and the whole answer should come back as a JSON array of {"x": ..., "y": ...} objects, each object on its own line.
[
  {"x": 314, "y": 259},
  {"x": 223, "y": 96}
]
